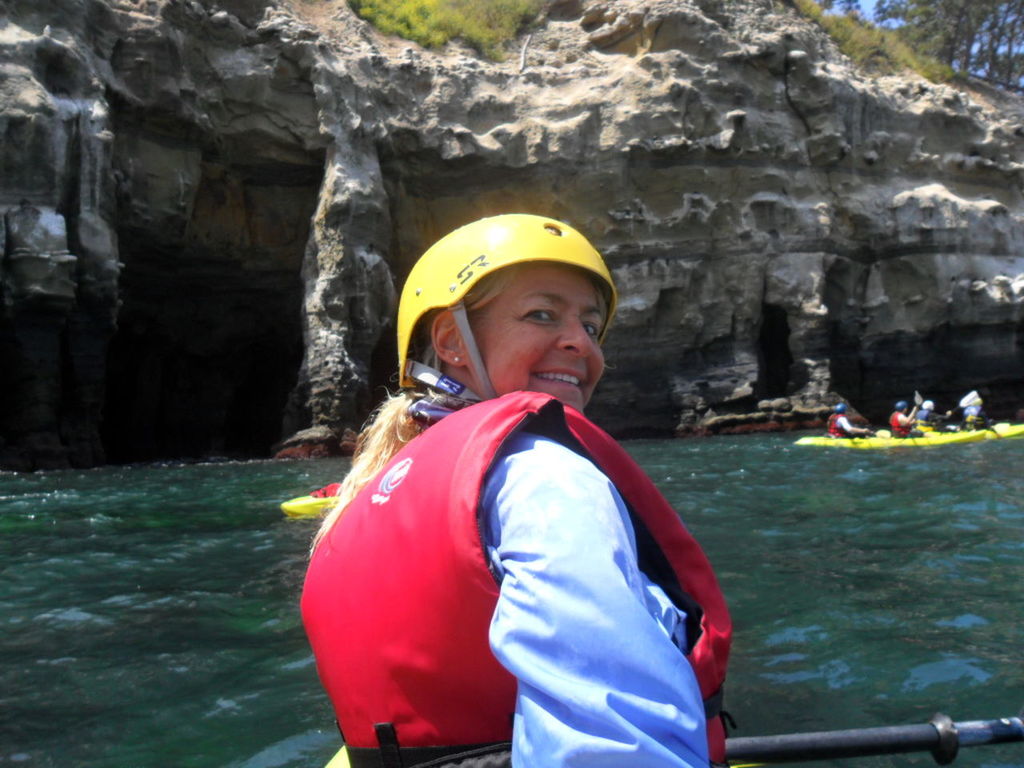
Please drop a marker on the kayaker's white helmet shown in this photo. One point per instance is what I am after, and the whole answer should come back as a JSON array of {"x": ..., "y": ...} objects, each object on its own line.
[{"x": 928, "y": 405}]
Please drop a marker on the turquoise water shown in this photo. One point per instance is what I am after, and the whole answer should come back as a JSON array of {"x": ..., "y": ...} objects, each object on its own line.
[{"x": 148, "y": 615}]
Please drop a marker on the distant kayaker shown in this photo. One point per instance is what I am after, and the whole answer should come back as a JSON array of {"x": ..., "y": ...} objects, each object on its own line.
[
  {"x": 928, "y": 419},
  {"x": 500, "y": 583},
  {"x": 328, "y": 491},
  {"x": 839, "y": 425},
  {"x": 901, "y": 421},
  {"x": 974, "y": 416}
]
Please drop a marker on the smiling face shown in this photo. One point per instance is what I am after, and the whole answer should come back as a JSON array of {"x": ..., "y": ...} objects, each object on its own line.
[{"x": 539, "y": 334}]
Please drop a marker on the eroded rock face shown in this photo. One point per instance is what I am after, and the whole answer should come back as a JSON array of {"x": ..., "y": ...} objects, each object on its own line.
[
  {"x": 208, "y": 207},
  {"x": 774, "y": 220},
  {"x": 184, "y": 154}
]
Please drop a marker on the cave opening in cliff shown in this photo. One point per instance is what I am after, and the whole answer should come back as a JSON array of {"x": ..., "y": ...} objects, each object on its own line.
[
  {"x": 201, "y": 364},
  {"x": 775, "y": 358},
  {"x": 209, "y": 339}
]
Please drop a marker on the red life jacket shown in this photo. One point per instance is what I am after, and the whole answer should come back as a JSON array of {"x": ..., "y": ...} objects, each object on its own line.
[
  {"x": 398, "y": 597},
  {"x": 903, "y": 430},
  {"x": 833, "y": 426},
  {"x": 326, "y": 492}
]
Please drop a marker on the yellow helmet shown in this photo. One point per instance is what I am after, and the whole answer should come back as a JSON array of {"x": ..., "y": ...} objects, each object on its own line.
[{"x": 454, "y": 264}]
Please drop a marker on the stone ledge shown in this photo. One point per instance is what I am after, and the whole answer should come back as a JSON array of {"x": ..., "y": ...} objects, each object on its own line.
[{"x": 316, "y": 443}]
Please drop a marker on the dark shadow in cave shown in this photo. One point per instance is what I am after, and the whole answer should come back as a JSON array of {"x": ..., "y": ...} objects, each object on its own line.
[
  {"x": 775, "y": 360},
  {"x": 209, "y": 338},
  {"x": 201, "y": 365}
]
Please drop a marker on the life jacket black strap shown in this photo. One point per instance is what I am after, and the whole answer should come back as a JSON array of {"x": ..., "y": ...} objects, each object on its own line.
[
  {"x": 390, "y": 755},
  {"x": 713, "y": 704},
  {"x": 388, "y": 740}
]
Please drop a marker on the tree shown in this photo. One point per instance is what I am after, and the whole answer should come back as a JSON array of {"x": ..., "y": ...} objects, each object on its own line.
[{"x": 983, "y": 38}]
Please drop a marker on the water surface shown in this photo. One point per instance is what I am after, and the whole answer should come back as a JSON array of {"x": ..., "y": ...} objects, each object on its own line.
[{"x": 149, "y": 615}]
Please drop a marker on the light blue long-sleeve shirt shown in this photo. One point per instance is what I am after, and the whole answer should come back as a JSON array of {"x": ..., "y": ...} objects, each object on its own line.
[{"x": 593, "y": 643}]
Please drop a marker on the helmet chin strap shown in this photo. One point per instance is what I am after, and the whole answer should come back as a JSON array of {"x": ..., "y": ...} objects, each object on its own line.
[{"x": 476, "y": 363}]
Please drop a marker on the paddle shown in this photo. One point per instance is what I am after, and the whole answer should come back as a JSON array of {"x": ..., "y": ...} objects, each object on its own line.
[
  {"x": 969, "y": 398},
  {"x": 940, "y": 736},
  {"x": 918, "y": 400}
]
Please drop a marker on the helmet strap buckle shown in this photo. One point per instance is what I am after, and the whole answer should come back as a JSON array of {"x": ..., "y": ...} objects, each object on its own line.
[{"x": 451, "y": 389}]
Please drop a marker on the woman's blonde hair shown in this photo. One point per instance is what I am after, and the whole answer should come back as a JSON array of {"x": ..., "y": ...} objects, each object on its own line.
[{"x": 391, "y": 426}]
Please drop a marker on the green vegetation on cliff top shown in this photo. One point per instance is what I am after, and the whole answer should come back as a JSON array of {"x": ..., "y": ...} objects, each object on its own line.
[
  {"x": 486, "y": 25},
  {"x": 876, "y": 49}
]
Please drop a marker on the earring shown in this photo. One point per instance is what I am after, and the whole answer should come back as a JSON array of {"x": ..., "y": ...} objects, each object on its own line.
[{"x": 456, "y": 359}]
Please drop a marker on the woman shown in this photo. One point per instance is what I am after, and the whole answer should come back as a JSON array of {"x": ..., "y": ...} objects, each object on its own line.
[{"x": 498, "y": 569}]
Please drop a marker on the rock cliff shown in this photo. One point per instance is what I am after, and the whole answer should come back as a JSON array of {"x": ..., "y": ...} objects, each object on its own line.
[{"x": 207, "y": 208}]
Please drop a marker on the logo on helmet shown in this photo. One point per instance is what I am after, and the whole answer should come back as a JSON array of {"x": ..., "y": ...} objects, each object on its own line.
[
  {"x": 467, "y": 272},
  {"x": 391, "y": 481}
]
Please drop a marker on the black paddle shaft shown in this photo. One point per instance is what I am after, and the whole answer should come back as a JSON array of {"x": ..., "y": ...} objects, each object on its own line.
[{"x": 941, "y": 736}]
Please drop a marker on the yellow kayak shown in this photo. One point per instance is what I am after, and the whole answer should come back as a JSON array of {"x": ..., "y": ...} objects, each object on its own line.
[
  {"x": 1004, "y": 430},
  {"x": 340, "y": 760},
  {"x": 308, "y": 506},
  {"x": 883, "y": 439}
]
